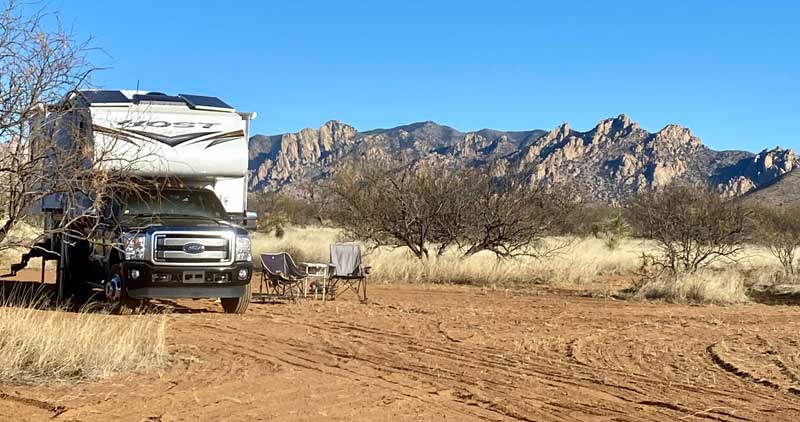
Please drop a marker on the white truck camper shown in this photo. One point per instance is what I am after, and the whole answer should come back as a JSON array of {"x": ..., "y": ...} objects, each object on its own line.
[{"x": 182, "y": 233}]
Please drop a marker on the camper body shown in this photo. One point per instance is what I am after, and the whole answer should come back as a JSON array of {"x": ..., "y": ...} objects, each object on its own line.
[{"x": 179, "y": 232}]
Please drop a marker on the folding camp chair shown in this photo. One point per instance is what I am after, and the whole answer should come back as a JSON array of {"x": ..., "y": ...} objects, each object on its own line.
[
  {"x": 281, "y": 277},
  {"x": 346, "y": 268}
]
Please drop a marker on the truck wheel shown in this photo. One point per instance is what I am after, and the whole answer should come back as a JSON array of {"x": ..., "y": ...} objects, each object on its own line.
[
  {"x": 237, "y": 305},
  {"x": 115, "y": 293}
]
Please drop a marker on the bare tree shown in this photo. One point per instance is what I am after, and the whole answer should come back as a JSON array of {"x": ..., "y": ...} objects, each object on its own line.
[
  {"x": 48, "y": 153},
  {"x": 393, "y": 205},
  {"x": 510, "y": 217},
  {"x": 38, "y": 66},
  {"x": 692, "y": 227},
  {"x": 779, "y": 230},
  {"x": 429, "y": 209}
]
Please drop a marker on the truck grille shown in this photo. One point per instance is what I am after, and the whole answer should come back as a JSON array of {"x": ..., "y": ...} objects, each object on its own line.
[{"x": 192, "y": 248}]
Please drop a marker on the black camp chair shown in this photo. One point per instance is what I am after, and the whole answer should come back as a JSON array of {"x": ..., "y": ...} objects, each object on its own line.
[
  {"x": 347, "y": 269},
  {"x": 281, "y": 278}
]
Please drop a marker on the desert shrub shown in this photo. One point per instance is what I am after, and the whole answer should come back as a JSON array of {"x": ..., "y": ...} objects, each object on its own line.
[
  {"x": 46, "y": 346},
  {"x": 692, "y": 228},
  {"x": 613, "y": 230},
  {"x": 587, "y": 218},
  {"x": 429, "y": 209},
  {"x": 778, "y": 229}
]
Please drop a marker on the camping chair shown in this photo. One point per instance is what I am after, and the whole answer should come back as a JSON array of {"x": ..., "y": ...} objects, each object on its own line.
[
  {"x": 281, "y": 277},
  {"x": 346, "y": 268}
]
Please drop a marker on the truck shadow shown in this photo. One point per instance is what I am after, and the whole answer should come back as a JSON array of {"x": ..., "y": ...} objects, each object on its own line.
[
  {"x": 775, "y": 298},
  {"x": 26, "y": 293},
  {"x": 34, "y": 294}
]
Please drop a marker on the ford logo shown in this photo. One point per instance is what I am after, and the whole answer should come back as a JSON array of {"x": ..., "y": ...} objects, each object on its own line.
[{"x": 193, "y": 248}]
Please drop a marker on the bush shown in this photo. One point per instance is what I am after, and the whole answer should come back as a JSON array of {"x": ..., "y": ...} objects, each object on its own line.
[
  {"x": 429, "y": 210},
  {"x": 691, "y": 227},
  {"x": 613, "y": 230},
  {"x": 778, "y": 230}
]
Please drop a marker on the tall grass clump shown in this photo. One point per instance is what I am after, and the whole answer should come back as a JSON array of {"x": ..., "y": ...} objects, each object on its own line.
[
  {"x": 53, "y": 346},
  {"x": 704, "y": 287}
]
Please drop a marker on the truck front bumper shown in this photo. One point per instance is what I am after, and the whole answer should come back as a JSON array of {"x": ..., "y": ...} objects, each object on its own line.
[{"x": 143, "y": 280}]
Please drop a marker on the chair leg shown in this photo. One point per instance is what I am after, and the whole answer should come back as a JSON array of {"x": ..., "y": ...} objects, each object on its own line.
[{"x": 363, "y": 283}]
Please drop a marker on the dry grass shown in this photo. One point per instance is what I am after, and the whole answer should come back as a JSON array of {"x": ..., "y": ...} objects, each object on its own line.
[
  {"x": 709, "y": 287},
  {"x": 585, "y": 261},
  {"x": 305, "y": 244},
  {"x": 46, "y": 346}
]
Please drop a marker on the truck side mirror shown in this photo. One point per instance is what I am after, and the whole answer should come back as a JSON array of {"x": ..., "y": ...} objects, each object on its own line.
[{"x": 250, "y": 220}]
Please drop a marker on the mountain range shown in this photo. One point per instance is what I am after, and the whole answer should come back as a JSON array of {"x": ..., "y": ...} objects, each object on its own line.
[{"x": 608, "y": 163}]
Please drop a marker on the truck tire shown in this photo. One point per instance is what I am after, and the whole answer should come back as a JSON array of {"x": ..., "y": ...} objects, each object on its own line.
[
  {"x": 237, "y": 305},
  {"x": 121, "y": 304}
]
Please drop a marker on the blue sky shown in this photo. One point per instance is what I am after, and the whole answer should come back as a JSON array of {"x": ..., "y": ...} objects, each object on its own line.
[{"x": 726, "y": 69}]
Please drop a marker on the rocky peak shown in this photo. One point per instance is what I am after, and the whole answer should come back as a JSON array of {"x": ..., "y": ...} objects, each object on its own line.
[
  {"x": 333, "y": 132},
  {"x": 777, "y": 160},
  {"x": 613, "y": 129},
  {"x": 558, "y": 134},
  {"x": 620, "y": 125},
  {"x": 675, "y": 136}
]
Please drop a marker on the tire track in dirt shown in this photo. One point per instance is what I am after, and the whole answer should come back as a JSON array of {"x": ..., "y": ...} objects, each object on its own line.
[
  {"x": 761, "y": 363},
  {"x": 54, "y": 410},
  {"x": 442, "y": 364},
  {"x": 458, "y": 353},
  {"x": 305, "y": 356},
  {"x": 387, "y": 363}
]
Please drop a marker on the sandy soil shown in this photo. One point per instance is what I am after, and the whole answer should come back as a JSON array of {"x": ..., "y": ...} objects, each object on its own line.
[{"x": 436, "y": 353}]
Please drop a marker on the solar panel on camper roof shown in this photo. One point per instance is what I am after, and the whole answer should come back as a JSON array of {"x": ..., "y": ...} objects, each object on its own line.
[
  {"x": 203, "y": 101},
  {"x": 156, "y": 97},
  {"x": 105, "y": 96}
]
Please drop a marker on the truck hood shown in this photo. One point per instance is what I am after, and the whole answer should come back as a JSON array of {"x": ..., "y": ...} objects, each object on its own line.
[{"x": 150, "y": 224}]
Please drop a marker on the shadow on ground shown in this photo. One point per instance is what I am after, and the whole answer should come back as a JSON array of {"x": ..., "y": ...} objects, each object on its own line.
[
  {"x": 23, "y": 293},
  {"x": 786, "y": 294}
]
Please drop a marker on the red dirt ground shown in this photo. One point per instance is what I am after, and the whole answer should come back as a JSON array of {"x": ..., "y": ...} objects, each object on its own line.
[{"x": 435, "y": 353}]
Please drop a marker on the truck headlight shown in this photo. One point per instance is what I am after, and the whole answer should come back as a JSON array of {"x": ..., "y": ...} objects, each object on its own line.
[
  {"x": 134, "y": 246},
  {"x": 243, "y": 248}
]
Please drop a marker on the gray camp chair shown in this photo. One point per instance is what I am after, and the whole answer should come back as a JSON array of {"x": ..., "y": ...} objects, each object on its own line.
[
  {"x": 348, "y": 270},
  {"x": 281, "y": 277}
]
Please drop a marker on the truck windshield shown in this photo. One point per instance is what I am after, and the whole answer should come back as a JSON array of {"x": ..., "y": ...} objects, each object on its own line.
[{"x": 174, "y": 202}]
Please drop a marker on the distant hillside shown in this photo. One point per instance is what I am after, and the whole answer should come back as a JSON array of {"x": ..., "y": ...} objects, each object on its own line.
[
  {"x": 613, "y": 160},
  {"x": 783, "y": 191}
]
